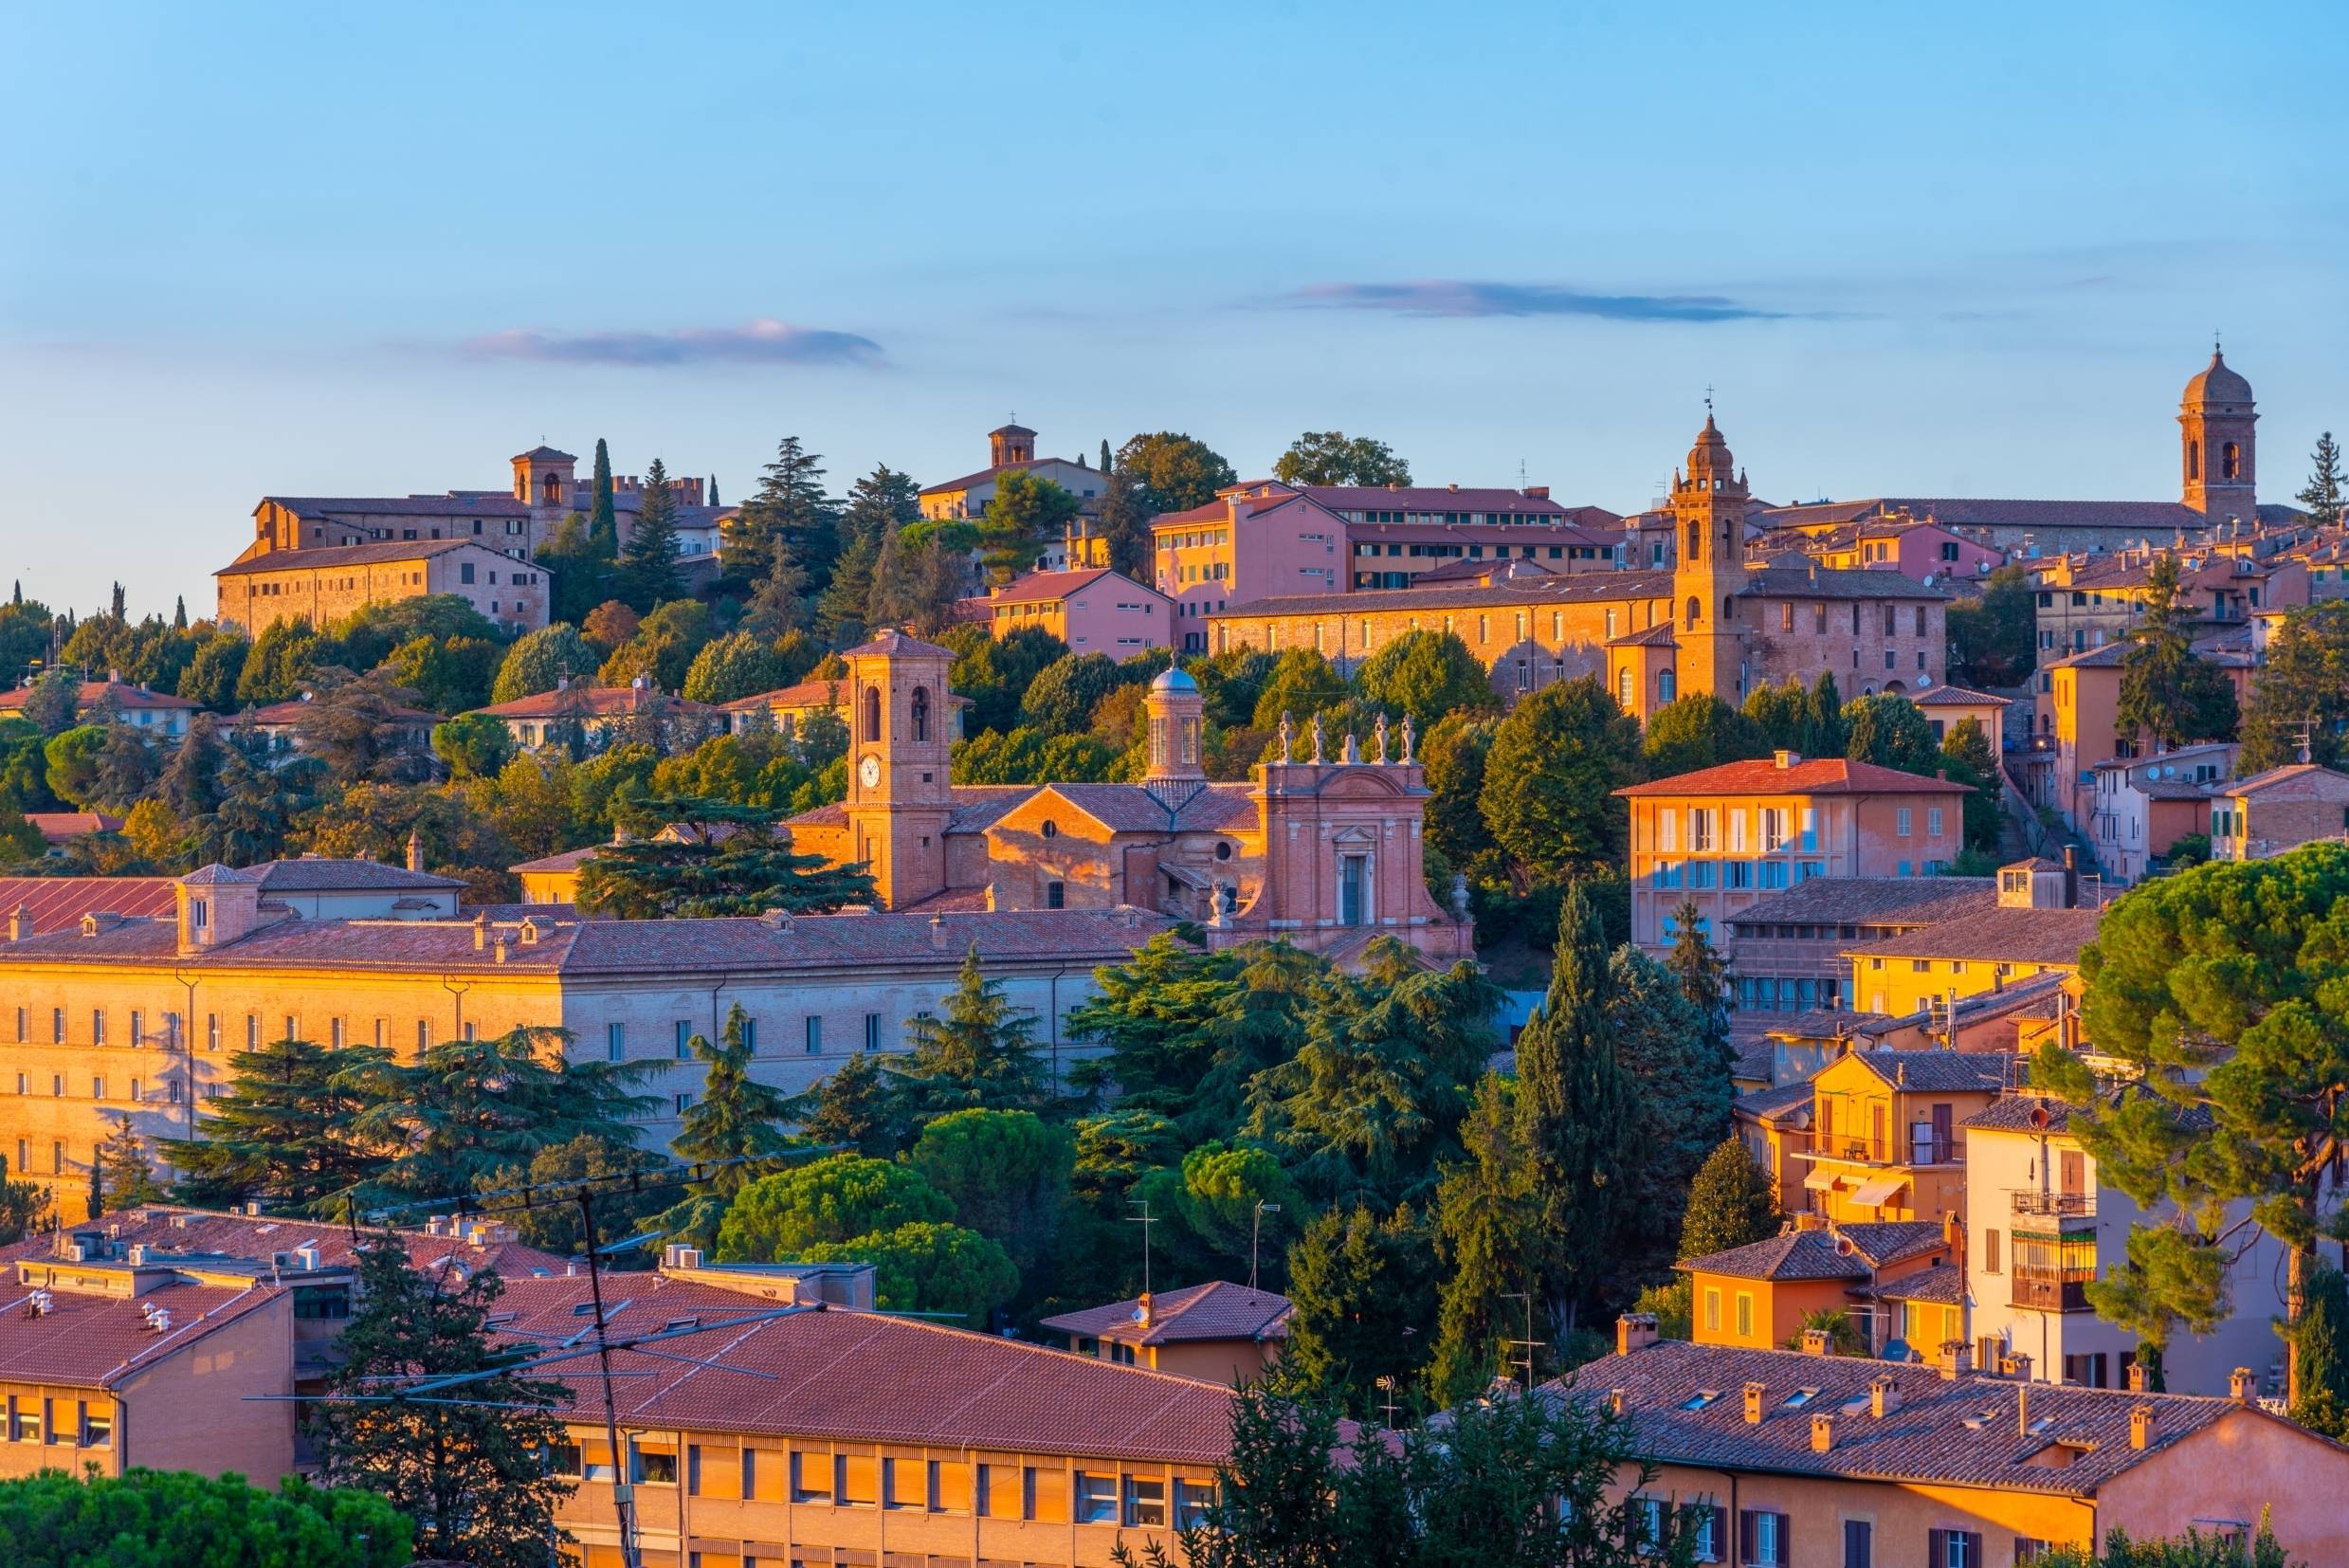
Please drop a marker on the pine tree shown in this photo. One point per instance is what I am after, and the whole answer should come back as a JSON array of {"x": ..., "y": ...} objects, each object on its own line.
[
  {"x": 1730, "y": 1203},
  {"x": 724, "y": 859},
  {"x": 121, "y": 1176},
  {"x": 119, "y": 607},
  {"x": 839, "y": 612},
  {"x": 23, "y": 1204},
  {"x": 1488, "y": 1223},
  {"x": 2320, "y": 1340},
  {"x": 787, "y": 514},
  {"x": 2324, "y": 492},
  {"x": 850, "y": 1105},
  {"x": 603, "y": 522},
  {"x": 1574, "y": 1120},
  {"x": 2167, "y": 692},
  {"x": 980, "y": 1054},
  {"x": 648, "y": 565},
  {"x": 282, "y": 1133},
  {"x": 734, "y": 1118},
  {"x": 1703, "y": 975},
  {"x": 470, "y": 1471},
  {"x": 53, "y": 702}
]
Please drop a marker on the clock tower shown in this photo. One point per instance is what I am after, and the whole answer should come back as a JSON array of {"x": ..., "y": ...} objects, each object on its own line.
[{"x": 900, "y": 727}]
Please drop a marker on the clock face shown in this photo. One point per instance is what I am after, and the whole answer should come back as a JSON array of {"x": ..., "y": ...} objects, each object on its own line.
[{"x": 869, "y": 771}]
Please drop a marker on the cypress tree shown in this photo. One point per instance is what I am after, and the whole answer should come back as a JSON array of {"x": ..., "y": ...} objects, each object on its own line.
[
  {"x": 713, "y": 500},
  {"x": 602, "y": 525},
  {"x": 1105, "y": 464},
  {"x": 2320, "y": 1338},
  {"x": 1825, "y": 733},
  {"x": 179, "y": 616},
  {"x": 1574, "y": 1120}
]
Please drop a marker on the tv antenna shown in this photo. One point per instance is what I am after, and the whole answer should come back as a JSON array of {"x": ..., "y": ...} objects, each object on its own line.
[
  {"x": 1528, "y": 1344},
  {"x": 1145, "y": 1219}
]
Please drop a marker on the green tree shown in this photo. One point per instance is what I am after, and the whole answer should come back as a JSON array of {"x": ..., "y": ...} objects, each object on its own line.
[
  {"x": 2168, "y": 694},
  {"x": 248, "y": 825},
  {"x": 1825, "y": 731},
  {"x": 1993, "y": 639},
  {"x": 1891, "y": 732},
  {"x": 734, "y": 1122},
  {"x": 982, "y": 1053},
  {"x": 849, "y": 1105},
  {"x": 2323, "y": 494},
  {"x": 464, "y": 1108},
  {"x": 1329, "y": 457},
  {"x": 470, "y": 1471},
  {"x": 54, "y": 701},
  {"x": 601, "y": 518},
  {"x": 843, "y": 610},
  {"x": 352, "y": 727},
  {"x": 1576, "y": 1122},
  {"x": 1007, "y": 1174},
  {"x": 716, "y": 859},
  {"x": 789, "y": 523},
  {"x": 1428, "y": 675},
  {"x": 121, "y": 1169},
  {"x": 586, "y": 1160},
  {"x": 833, "y": 1199},
  {"x": 994, "y": 673},
  {"x": 582, "y": 561},
  {"x": 447, "y": 674},
  {"x": 2217, "y": 989},
  {"x": 1060, "y": 700},
  {"x": 2192, "y": 1550},
  {"x": 212, "y": 675},
  {"x": 2303, "y": 692},
  {"x": 929, "y": 1267},
  {"x": 1731, "y": 1202},
  {"x": 165, "y": 1518},
  {"x": 473, "y": 745},
  {"x": 1361, "y": 1289},
  {"x": 22, "y": 1206},
  {"x": 1027, "y": 513},
  {"x": 278, "y": 664},
  {"x": 1301, "y": 683},
  {"x": 1488, "y": 1213},
  {"x": 126, "y": 769},
  {"x": 1699, "y": 731},
  {"x": 649, "y": 563},
  {"x": 738, "y": 664},
  {"x": 72, "y": 758},
  {"x": 1550, "y": 778},
  {"x": 1968, "y": 757},
  {"x": 2321, "y": 1341},
  {"x": 544, "y": 659},
  {"x": 1173, "y": 472},
  {"x": 20, "y": 841}
]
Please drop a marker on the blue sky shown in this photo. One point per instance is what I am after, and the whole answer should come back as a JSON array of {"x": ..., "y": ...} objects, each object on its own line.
[{"x": 346, "y": 250}]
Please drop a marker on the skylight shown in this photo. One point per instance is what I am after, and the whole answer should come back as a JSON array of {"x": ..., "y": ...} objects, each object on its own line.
[
  {"x": 1800, "y": 1397},
  {"x": 1702, "y": 1397}
]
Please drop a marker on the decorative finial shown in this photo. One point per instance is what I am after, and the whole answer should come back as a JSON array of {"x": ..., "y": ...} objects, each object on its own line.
[
  {"x": 1351, "y": 752},
  {"x": 1459, "y": 894},
  {"x": 1380, "y": 733},
  {"x": 1318, "y": 740},
  {"x": 1288, "y": 732},
  {"x": 1407, "y": 736},
  {"x": 1708, "y": 401}
]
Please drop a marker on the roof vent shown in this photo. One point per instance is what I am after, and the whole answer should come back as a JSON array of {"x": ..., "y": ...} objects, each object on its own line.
[{"x": 37, "y": 1304}]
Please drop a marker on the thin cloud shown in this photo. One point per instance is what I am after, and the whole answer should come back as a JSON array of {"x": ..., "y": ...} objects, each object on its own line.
[
  {"x": 761, "y": 342},
  {"x": 1453, "y": 297}
]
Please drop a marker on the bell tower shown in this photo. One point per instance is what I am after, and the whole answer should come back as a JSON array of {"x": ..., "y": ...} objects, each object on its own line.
[
  {"x": 1173, "y": 708},
  {"x": 2217, "y": 449},
  {"x": 1708, "y": 516},
  {"x": 1011, "y": 443},
  {"x": 899, "y": 740}
]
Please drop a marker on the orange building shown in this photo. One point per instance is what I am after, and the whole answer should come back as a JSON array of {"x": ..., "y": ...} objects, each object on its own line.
[
  {"x": 1220, "y": 1332},
  {"x": 1760, "y": 1295},
  {"x": 1888, "y": 1133},
  {"x": 587, "y": 717},
  {"x": 1781, "y": 1457},
  {"x": 1727, "y": 836}
]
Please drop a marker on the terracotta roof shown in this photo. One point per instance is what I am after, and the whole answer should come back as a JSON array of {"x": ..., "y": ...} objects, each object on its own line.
[
  {"x": 1944, "y": 1282},
  {"x": 1658, "y": 636},
  {"x": 976, "y": 808},
  {"x": 58, "y": 904},
  {"x": 2147, "y": 517},
  {"x": 310, "y": 874},
  {"x": 1579, "y": 588},
  {"x": 57, "y": 827},
  {"x": 899, "y": 642},
  {"x": 1939, "y": 1071},
  {"x": 1137, "y": 809},
  {"x": 1218, "y": 1310},
  {"x": 542, "y": 452},
  {"x": 467, "y": 503},
  {"x": 327, "y": 557},
  {"x": 867, "y": 1378},
  {"x": 2293, "y": 781},
  {"x": 1812, "y": 776},
  {"x": 1821, "y": 582},
  {"x": 1685, "y": 1405},
  {"x": 1041, "y": 587},
  {"x": 1775, "y": 1102},
  {"x": 95, "y": 1341},
  {"x": 2107, "y": 657},
  {"x": 287, "y": 713},
  {"x": 2027, "y": 936},
  {"x": 996, "y": 470},
  {"x": 569, "y": 860},
  {"x": 1431, "y": 498},
  {"x": 804, "y": 694},
  {"x": 92, "y": 694},
  {"x": 1871, "y": 900},
  {"x": 170, "y": 1232},
  {"x": 590, "y": 702},
  {"x": 1849, "y": 1252},
  {"x": 1950, "y": 697},
  {"x": 2040, "y": 1113}
]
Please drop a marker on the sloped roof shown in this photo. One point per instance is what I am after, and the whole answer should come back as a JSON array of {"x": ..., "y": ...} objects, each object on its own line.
[
  {"x": 1216, "y": 1310},
  {"x": 57, "y": 827},
  {"x": 327, "y": 557},
  {"x": 171, "y": 1231},
  {"x": 1850, "y": 1252},
  {"x": 1871, "y": 900},
  {"x": 96, "y": 1341},
  {"x": 1947, "y": 696},
  {"x": 1812, "y": 776},
  {"x": 89, "y": 695},
  {"x": 465, "y": 503},
  {"x": 1936, "y": 1071},
  {"x": 2293, "y": 781},
  {"x": 2002, "y": 936},
  {"x": 577, "y": 702},
  {"x": 1043, "y": 587},
  {"x": 1944, "y": 1282},
  {"x": 897, "y": 642},
  {"x": 2150, "y": 517},
  {"x": 58, "y": 904}
]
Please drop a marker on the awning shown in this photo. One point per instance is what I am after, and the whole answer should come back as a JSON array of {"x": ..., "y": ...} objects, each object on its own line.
[
  {"x": 1823, "y": 1181},
  {"x": 1874, "y": 1194}
]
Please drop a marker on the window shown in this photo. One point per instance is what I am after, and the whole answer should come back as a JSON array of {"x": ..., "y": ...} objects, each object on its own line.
[
  {"x": 1195, "y": 1498},
  {"x": 97, "y": 1428},
  {"x": 24, "y": 1418},
  {"x": 1353, "y": 890},
  {"x": 1933, "y": 822},
  {"x": 1901, "y": 822},
  {"x": 97, "y": 1026},
  {"x": 98, "y": 1090},
  {"x": 811, "y": 1476},
  {"x": 872, "y": 1031},
  {"x": 1707, "y": 1527},
  {"x": 1761, "y": 1539},
  {"x": 1859, "y": 1544},
  {"x": 949, "y": 1486},
  {"x": 211, "y": 1031},
  {"x": 615, "y": 1042},
  {"x": 815, "y": 1034},
  {"x": 655, "y": 1463},
  {"x": 1953, "y": 1549},
  {"x": 138, "y": 1027},
  {"x": 1745, "y": 1315},
  {"x": 684, "y": 1039},
  {"x": 564, "y": 1457},
  {"x": 1145, "y": 1502},
  {"x": 1056, "y": 895},
  {"x": 1712, "y": 1310},
  {"x": 1990, "y": 1251},
  {"x": 1097, "y": 1499},
  {"x": 856, "y": 1479}
]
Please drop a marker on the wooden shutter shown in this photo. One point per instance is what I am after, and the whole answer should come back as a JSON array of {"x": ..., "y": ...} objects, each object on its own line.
[
  {"x": 767, "y": 1475},
  {"x": 1936, "y": 1549},
  {"x": 950, "y": 1485},
  {"x": 1974, "y": 1547},
  {"x": 1721, "y": 1533},
  {"x": 1745, "y": 1536},
  {"x": 716, "y": 1472},
  {"x": 859, "y": 1480},
  {"x": 1786, "y": 1540}
]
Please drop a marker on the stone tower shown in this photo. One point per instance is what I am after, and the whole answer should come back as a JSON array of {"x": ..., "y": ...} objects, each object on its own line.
[
  {"x": 899, "y": 797},
  {"x": 1708, "y": 513},
  {"x": 1174, "y": 709},
  {"x": 545, "y": 480},
  {"x": 1011, "y": 443},
  {"x": 2217, "y": 448}
]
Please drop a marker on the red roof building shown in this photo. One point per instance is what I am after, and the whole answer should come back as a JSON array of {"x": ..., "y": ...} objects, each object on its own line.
[{"x": 1221, "y": 1332}]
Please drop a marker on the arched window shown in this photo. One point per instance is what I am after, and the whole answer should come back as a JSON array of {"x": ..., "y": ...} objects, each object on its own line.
[
  {"x": 2230, "y": 460},
  {"x": 1666, "y": 687},
  {"x": 872, "y": 713},
  {"x": 1696, "y": 542},
  {"x": 2193, "y": 459},
  {"x": 921, "y": 713},
  {"x": 553, "y": 486},
  {"x": 1696, "y": 611}
]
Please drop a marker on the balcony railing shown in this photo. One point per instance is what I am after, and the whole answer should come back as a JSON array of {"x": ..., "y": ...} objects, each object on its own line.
[
  {"x": 1862, "y": 1151},
  {"x": 2056, "y": 1204},
  {"x": 2047, "y": 1292}
]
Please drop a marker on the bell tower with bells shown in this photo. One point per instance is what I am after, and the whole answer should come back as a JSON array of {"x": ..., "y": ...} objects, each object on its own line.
[{"x": 901, "y": 717}]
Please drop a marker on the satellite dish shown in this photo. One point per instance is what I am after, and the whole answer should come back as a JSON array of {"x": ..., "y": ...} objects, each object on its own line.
[{"x": 2039, "y": 1117}]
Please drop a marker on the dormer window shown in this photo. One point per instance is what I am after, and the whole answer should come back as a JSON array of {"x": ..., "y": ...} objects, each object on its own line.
[{"x": 199, "y": 913}]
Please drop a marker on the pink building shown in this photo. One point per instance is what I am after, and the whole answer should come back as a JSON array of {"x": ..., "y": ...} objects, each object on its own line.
[
  {"x": 1257, "y": 541},
  {"x": 1923, "y": 550},
  {"x": 1093, "y": 611}
]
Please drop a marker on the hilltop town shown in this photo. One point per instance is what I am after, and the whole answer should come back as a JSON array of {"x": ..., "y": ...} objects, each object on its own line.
[{"x": 1837, "y": 999}]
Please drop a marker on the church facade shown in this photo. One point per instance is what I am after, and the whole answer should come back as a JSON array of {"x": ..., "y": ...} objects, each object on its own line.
[{"x": 1322, "y": 848}]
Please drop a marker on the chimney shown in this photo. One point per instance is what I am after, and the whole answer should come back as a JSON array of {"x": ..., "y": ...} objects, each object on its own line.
[
  {"x": 1614, "y": 1400},
  {"x": 1145, "y": 1310},
  {"x": 2141, "y": 1425},
  {"x": 2022, "y": 1410},
  {"x": 480, "y": 932},
  {"x": 2072, "y": 877},
  {"x": 20, "y": 923},
  {"x": 991, "y": 896},
  {"x": 1634, "y": 1331},
  {"x": 562, "y": 683},
  {"x": 1815, "y": 1341},
  {"x": 937, "y": 932},
  {"x": 2136, "y": 1378},
  {"x": 415, "y": 850},
  {"x": 778, "y": 921},
  {"x": 1810, "y": 1219},
  {"x": 1754, "y": 1393},
  {"x": 1884, "y": 1397},
  {"x": 2016, "y": 1367},
  {"x": 1822, "y": 1432},
  {"x": 499, "y": 950},
  {"x": 2241, "y": 1386},
  {"x": 1783, "y": 760},
  {"x": 1953, "y": 1359}
]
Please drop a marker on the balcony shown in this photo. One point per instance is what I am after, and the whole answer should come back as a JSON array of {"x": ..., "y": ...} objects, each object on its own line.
[
  {"x": 1863, "y": 1151},
  {"x": 2055, "y": 1205},
  {"x": 2042, "y": 1291}
]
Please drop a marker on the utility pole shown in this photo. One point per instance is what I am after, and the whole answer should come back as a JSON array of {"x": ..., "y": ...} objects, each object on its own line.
[
  {"x": 622, "y": 1495},
  {"x": 1254, "y": 1226}
]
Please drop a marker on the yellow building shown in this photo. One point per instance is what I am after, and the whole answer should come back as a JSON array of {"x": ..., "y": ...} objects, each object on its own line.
[
  {"x": 1888, "y": 1133},
  {"x": 1220, "y": 1332},
  {"x": 326, "y": 584},
  {"x": 2037, "y": 929},
  {"x": 1785, "y": 1457},
  {"x": 1760, "y": 1295}
]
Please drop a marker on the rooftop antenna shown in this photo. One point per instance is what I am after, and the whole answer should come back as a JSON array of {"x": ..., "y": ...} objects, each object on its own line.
[
  {"x": 1145, "y": 1219},
  {"x": 1529, "y": 1345}
]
